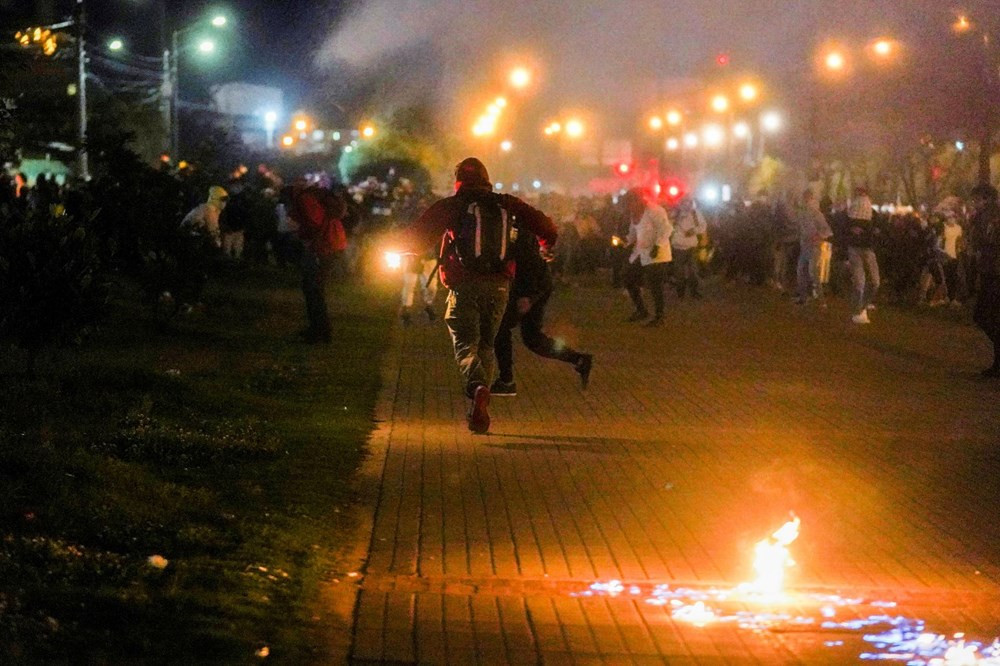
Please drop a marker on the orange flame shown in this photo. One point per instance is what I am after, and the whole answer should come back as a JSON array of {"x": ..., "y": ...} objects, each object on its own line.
[{"x": 772, "y": 558}]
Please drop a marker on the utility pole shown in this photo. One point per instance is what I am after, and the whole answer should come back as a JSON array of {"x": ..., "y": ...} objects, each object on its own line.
[
  {"x": 174, "y": 99},
  {"x": 81, "y": 54},
  {"x": 991, "y": 88},
  {"x": 166, "y": 94}
]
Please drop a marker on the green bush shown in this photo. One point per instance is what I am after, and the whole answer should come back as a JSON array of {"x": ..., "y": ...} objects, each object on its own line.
[{"x": 52, "y": 284}]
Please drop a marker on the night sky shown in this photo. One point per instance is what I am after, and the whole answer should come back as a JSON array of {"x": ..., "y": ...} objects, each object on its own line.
[{"x": 605, "y": 54}]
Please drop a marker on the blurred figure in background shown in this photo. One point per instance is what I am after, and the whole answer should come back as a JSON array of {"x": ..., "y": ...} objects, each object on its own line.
[
  {"x": 985, "y": 234},
  {"x": 688, "y": 228},
  {"x": 319, "y": 215}
]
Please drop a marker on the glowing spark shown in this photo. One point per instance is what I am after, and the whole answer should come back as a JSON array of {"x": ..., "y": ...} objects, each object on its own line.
[{"x": 697, "y": 614}]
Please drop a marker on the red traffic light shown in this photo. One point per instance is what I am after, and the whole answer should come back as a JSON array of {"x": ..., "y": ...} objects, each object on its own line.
[
  {"x": 722, "y": 59},
  {"x": 673, "y": 189}
]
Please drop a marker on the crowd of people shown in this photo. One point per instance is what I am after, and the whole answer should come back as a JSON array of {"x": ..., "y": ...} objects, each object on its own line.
[{"x": 805, "y": 246}]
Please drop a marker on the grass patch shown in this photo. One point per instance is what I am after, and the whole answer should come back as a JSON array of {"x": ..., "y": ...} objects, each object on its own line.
[{"x": 221, "y": 445}]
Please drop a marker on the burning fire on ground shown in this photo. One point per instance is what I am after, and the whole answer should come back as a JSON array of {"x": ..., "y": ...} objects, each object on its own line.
[{"x": 763, "y": 605}]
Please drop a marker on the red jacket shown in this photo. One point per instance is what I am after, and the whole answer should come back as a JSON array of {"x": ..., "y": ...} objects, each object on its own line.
[
  {"x": 437, "y": 227},
  {"x": 322, "y": 233}
]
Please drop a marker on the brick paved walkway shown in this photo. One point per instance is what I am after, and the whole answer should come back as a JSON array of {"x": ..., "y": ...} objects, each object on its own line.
[{"x": 694, "y": 441}]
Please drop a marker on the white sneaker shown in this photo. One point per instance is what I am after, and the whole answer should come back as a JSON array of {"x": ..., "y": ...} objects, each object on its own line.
[{"x": 861, "y": 318}]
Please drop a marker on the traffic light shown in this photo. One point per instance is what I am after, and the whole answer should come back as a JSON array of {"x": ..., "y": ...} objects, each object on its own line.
[
  {"x": 722, "y": 59},
  {"x": 673, "y": 189}
]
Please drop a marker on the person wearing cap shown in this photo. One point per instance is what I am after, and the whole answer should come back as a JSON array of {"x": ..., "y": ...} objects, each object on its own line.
[
  {"x": 478, "y": 298},
  {"x": 985, "y": 234},
  {"x": 861, "y": 234},
  {"x": 204, "y": 218},
  {"x": 649, "y": 237}
]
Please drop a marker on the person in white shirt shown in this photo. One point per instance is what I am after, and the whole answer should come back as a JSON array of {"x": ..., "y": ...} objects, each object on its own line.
[
  {"x": 649, "y": 241},
  {"x": 951, "y": 243},
  {"x": 689, "y": 226}
]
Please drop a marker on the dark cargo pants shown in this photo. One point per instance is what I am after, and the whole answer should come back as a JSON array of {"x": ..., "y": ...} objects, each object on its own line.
[{"x": 473, "y": 316}]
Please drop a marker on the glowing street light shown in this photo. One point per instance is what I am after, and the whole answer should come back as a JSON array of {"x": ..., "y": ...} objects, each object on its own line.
[
  {"x": 368, "y": 131},
  {"x": 713, "y": 136},
  {"x": 720, "y": 103},
  {"x": 287, "y": 141},
  {"x": 219, "y": 21},
  {"x": 674, "y": 117},
  {"x": 206, "y": 46},
  {"x": 749, "y": 92},
  {"x": 741, "y": 130},
  {"x": 574, "y": 129},
  {"x": 116, "y": 44},
  {"x": 883, "y": 48},
  {"x": 301, "y": 125},
  {"x": 656, "y": 123},
  {"x": 500, "y": 102},
  {"x": 771, "y": 121},
  {"x": 962, "y": 24},
  {"x": 673, "y": 144},
  {"x": 690, "y": 140},
  {"x": 506, "y": 145},
  {"x": 835, "y": 61},
  {"x": 520, "y": 77}
]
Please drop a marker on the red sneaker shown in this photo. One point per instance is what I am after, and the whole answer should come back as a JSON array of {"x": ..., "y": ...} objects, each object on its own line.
[{"x": 479, "y": 416}]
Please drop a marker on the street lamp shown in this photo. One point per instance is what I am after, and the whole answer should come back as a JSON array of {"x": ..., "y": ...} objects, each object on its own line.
[
  {"x": 520, "y": 77},
  {"x": 506, "y": 145},
  {"x": 713, "y": 136},
  {"x": 368, "y": 131},
  {"x": 656, "y": 123},
  {"x": 720, "y": 103},
  {"x": 771, "y": 121},
  {"x": 749, "y": 92},
  {"x": 835, "y": 61},
  {"x": 116, "y": 44},
  {"x": 674, "y": 117},
  {"x": 270, "y": 124},
  {"x": 673, "y": 144},
  {"x": 883, "y": 48},
  {"x": 574, "y": 129},
  {"x": 741, "y": 130},
  {"x": 691, "y": 140},
  {"x": 171, "y": 76}
]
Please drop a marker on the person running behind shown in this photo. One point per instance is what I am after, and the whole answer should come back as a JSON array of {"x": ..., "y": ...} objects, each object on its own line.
[
  {"x": 529, "y": 294},
  {"x": 418, "y": 274},
  {"x": 477, "y": 229},
  {"x": 649, "y": 237}
]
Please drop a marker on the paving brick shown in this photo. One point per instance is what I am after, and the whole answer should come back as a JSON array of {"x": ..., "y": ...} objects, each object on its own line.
[{"x": 694, "y": 442}]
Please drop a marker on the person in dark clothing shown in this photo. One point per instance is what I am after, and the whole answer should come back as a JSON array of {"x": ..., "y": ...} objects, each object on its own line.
[
  {"x": 986, "y": 246},
  {"x": 318, "y": 214},
  {"x": 529, "y": 294},
  {"x": 479, "y": 282}
]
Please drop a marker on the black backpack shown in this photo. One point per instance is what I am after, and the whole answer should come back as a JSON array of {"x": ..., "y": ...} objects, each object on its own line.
[{"x": 485, "y": 235}]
